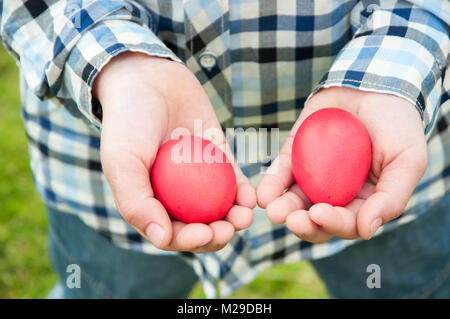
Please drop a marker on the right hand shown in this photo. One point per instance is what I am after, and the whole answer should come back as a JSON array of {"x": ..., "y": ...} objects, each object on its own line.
[{"x": 144, "y": 99}]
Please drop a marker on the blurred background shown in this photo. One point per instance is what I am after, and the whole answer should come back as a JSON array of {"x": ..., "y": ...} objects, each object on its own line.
[{"x": 25, "y": 270}]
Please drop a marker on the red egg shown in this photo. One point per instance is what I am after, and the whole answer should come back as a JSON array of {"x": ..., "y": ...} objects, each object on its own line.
[
  {"x": 331, "y": 156},
  {"x": 194, "y": 180}
]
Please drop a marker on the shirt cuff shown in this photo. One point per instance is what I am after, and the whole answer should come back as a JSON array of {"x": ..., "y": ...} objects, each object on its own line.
[
  {"x": 95, "y": 49},
  {"x": 384, "y": 62}
]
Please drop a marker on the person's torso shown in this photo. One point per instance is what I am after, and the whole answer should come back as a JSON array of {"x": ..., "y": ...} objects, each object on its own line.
[{"x": 257, "y": 60}]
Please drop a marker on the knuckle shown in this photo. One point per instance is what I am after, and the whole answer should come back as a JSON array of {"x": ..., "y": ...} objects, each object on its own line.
[
  {"x": 129, "y": 212},
  {"x": 307, "y": 235},
  {"x": 397, "y": 206},
  {"x": 275, "y": 217},
  {"x": 417, "y": 157}
]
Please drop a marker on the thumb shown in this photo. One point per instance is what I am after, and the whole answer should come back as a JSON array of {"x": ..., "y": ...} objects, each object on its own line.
[
  {"x": 129, "y": 179},
  {"x": 126, "y": 161},
  {"x": 393, "y": 190}
]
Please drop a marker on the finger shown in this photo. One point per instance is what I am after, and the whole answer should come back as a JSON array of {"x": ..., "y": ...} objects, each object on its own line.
[
  {"x": 281, "y": 207},
  {"x": 130, "y": 183},
  {"x": 303, "y": 227},
  {"x": 222, "y": 233},
  {"x": 246, "y": 193},
  {"x": 240, "y": 217},
  {"x": 337, "y": 221},
  {"x": 189, "y": 237},
  {"x": 277, "y": 178},
  {"x": 395, "y": 185},
  {"x": 341, "y": 221},
  {"x": 367, "y": 190}
]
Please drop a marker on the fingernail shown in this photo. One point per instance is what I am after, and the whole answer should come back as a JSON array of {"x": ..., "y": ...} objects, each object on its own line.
[
  {"x": 156, "y": 234},
  {"x": 375, "y": 225}
]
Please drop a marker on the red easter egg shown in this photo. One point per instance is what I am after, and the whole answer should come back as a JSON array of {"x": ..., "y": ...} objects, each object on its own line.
[
  {"x": 194, "y": 180},
  {"x": 331, "y": 156}
]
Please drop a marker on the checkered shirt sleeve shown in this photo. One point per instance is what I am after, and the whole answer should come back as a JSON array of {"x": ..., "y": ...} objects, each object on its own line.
[
  {"x": 399, "y": 48},
  {"x": 64, "y": 44}
]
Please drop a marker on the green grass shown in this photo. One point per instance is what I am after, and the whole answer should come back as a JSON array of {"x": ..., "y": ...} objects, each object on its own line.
[
  {"x": 24, "y": 267},
  {"x": 25, "y": 271}
]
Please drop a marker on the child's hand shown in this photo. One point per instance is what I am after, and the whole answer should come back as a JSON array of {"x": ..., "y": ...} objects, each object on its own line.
[
  {"x": 143, "y": 100},
  {"x": 399, "y": 161}
]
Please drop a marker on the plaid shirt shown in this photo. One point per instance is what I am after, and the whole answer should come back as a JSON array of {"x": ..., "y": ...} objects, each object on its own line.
[{"x": 271, "y": 55}]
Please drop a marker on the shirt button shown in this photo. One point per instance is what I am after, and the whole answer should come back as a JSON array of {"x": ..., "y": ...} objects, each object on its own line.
[{"x": 207, "y": 60}]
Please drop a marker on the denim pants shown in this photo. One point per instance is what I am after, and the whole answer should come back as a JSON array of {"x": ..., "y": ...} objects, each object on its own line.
[
  {"x": 414, "y": 262},
  {"x": 107, "y": 271}
]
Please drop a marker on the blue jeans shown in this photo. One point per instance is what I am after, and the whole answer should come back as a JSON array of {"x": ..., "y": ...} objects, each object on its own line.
[
  {"x": 107, "y": 271},
  {"x": 414, "y": 260}
]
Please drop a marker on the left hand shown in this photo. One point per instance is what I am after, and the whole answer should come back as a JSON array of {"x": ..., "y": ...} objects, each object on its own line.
[{"x": 399, "y": 160}]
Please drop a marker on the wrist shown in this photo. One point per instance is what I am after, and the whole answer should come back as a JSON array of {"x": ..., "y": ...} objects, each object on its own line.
[
  {"x": 126, "y": 75},
  {"x": 341, "y": 97}
]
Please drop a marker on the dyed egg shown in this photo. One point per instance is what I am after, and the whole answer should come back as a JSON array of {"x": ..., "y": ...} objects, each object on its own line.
[
  {"x": 331, "y": 156},
  {"x": 194, "y": 180}
]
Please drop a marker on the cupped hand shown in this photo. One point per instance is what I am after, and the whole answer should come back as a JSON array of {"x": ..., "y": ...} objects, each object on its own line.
[
  {"x": 399, "y": 160},
  {"x": 144, "y": 101}
]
